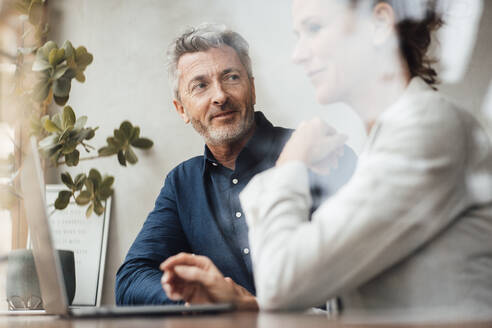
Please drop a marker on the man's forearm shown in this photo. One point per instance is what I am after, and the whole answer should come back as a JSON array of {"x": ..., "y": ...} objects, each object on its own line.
[{"x": 139, "y": 284}]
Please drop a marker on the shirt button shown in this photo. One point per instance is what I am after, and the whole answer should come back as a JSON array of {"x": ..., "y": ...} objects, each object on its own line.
[
  {"x": 238, "y": 214},
  {"x": 235, "y": 181},
  {"x": 215, "y": 164},
  {"x": 246, "y": 251}
]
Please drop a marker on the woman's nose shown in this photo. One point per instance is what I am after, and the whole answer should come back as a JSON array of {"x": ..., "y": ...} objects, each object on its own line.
[{"x": 301, "y": 53}]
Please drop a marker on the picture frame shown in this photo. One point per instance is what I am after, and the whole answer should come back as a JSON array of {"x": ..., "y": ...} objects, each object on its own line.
[{"x": 87, "y": 238}]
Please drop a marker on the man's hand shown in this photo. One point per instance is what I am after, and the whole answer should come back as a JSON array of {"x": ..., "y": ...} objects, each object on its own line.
[
  {"x": 196, "y": 280},
  {"x": 316, "y": 144}
]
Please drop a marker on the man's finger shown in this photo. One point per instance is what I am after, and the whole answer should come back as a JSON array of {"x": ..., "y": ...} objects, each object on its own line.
[
  {"x": 185, "y": 259},
  {"x": 194, "y": 274},
  {"x": 172, "y": 293}
]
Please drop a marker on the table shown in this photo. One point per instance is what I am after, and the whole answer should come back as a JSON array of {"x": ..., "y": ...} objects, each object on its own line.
[{"x": 234, "y": 319}]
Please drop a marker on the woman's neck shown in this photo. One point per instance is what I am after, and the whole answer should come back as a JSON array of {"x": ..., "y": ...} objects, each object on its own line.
[{"x": 379, "y": 96}]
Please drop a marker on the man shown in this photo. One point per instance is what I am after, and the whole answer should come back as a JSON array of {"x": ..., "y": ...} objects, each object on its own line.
[{"x": 198, "y": 209}]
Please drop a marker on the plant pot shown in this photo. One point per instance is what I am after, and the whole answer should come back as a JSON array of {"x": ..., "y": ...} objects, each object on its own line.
[{"x": 23, "y": 290}]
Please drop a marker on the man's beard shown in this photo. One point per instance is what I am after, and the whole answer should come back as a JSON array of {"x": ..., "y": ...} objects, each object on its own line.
[{"x": 228, "y": 133}]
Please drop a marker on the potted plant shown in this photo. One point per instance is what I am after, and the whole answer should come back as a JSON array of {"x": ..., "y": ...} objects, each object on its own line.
[
  {"x": 62, "y": 136},
  {"x": 44, "y": 73}
]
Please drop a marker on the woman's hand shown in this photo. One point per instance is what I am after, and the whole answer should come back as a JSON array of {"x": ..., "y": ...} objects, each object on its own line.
[
  {"x": 196, "y": 280},
  {"x": 316, "y": 144}
]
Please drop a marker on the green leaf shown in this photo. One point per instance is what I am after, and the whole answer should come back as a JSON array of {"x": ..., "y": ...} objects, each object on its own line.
[
  {"x": 69, "y": 147},
  {"x": 107, "y": 182},
  {"x": 80, "y": 123},
  {"x": 60, "y": 101},
  {"x": 63, "y": 199},
  {"x": 48, "y": 142},
  {"x": 126, "y": 128},
  {"x": 142, "y": 143},
  {"x": 130, "y": 156},
  {"x": 79, "y": 181},
  {"x": 98, "y": 207},
  {"x": 44, "y": 51},
  {"x": 113, "y": 142},
  {"x": 69, "y": 50},
  {"x": 84, "y": 134},
  {"x": 89, "y": 211},
  {"x": 40, "y": 64},
  {"x": 64, "y": 136},
  {"x": 61, "y": 87},
  {"x": 68, "y": 117},
  {"x": 105, "y": 193},
  {"x": 105, "y": 189},
  {"x": 82, "y": 57},
  {"x": 67, "y": 180},
  {"x": 89, "y": 185},
  {"x": 55, "y": 154},
  {"x": 70, "y": 73},
  {"x": 107, "y": 151},
  {"x": 135, "y": 133},
  {"x": 121, "y": 158},
  {"x": 96, "y": 177},
  {"x": 57, "y": 120},
  {"x": 56, "y": 56},
  {"x": 60, "y": 71},
  {"x": 51, "y": 127},
  {"x": 119, "y": 136},
  {"x": 83, "y": 198},
  {"x": 72, "y": 159},
  {"x": 79, "y": 76},
  {"x": 90, "y": 134}
]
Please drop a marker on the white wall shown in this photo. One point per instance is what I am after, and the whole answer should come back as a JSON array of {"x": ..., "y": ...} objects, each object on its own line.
[{"x": 128, "y": 80}]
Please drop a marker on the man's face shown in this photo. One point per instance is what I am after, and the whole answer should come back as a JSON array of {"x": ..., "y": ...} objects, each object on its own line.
[{"x": 216, "y": 95}]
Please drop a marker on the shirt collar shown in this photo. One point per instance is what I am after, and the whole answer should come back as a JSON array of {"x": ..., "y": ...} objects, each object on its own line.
[
  {"x": 256, "y": 149},
  {"x": 415, "y": 91}
]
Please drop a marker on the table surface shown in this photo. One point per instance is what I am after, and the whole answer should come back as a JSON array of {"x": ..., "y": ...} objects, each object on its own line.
[{"x": 234, "y": 319}]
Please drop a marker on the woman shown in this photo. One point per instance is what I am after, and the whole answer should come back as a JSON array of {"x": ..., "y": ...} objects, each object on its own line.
[{"x": 411, "y": 230}]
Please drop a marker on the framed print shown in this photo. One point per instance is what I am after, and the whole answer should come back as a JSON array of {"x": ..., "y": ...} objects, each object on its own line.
[{"x": 87, "y": 238}]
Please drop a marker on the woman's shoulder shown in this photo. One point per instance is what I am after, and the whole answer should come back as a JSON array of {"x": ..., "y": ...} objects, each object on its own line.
[
  {"x": 427, "y": 111},
  {"x": 424, "y": 123}
]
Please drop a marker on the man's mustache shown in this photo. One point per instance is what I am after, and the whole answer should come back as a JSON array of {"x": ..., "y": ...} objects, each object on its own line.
[{"x": 227, "y": 107}]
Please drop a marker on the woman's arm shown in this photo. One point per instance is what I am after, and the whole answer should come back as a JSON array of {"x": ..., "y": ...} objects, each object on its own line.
[{"x": 401, "y": 195}]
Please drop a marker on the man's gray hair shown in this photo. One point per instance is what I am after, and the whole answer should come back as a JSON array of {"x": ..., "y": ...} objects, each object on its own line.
[{"x": 202, "y": 38}]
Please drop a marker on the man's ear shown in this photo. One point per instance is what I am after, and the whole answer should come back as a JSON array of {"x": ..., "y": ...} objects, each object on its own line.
[
  {"x": 253, "y": 90},
  {"x": 180, "y": 109},
  {"x": 384, "y": 21}
]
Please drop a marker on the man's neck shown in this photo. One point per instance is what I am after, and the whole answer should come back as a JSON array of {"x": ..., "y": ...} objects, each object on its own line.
[{"x": 227, "y": 153}]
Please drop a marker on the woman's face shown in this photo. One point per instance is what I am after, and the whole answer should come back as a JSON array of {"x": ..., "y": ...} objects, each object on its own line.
[{"x": 333, "y": 46}]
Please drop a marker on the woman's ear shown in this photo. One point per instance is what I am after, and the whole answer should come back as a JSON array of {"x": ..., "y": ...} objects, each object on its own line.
[{"x": 384, "y": 21}]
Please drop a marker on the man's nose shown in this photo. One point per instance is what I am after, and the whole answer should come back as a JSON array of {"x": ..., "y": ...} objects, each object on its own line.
[{"x": 219, "y": 96}]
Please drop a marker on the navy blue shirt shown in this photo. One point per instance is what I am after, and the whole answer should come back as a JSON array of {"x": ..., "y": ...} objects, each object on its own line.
[{"x": 198, "y": 211}]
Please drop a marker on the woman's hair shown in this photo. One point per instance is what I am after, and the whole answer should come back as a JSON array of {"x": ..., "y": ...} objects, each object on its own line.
[{"x": 416, "y": 21}]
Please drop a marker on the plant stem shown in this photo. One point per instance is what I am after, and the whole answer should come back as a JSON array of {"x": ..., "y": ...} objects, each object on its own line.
[{"x": 81, "y": 159}]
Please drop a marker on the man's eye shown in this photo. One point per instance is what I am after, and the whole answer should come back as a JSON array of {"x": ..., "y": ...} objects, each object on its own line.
[
  {"x": 233, "y": 77},
  {"x": 199, "y": 86}
]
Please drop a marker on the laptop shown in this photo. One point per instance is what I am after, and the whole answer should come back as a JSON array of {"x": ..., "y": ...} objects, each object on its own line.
[{"x": 48, "y": 266}]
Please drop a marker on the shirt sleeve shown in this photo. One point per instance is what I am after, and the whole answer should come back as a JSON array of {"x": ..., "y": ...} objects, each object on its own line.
[
  {"x": 138, "y": 278},
  {"x": 402, "y": 194}
]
